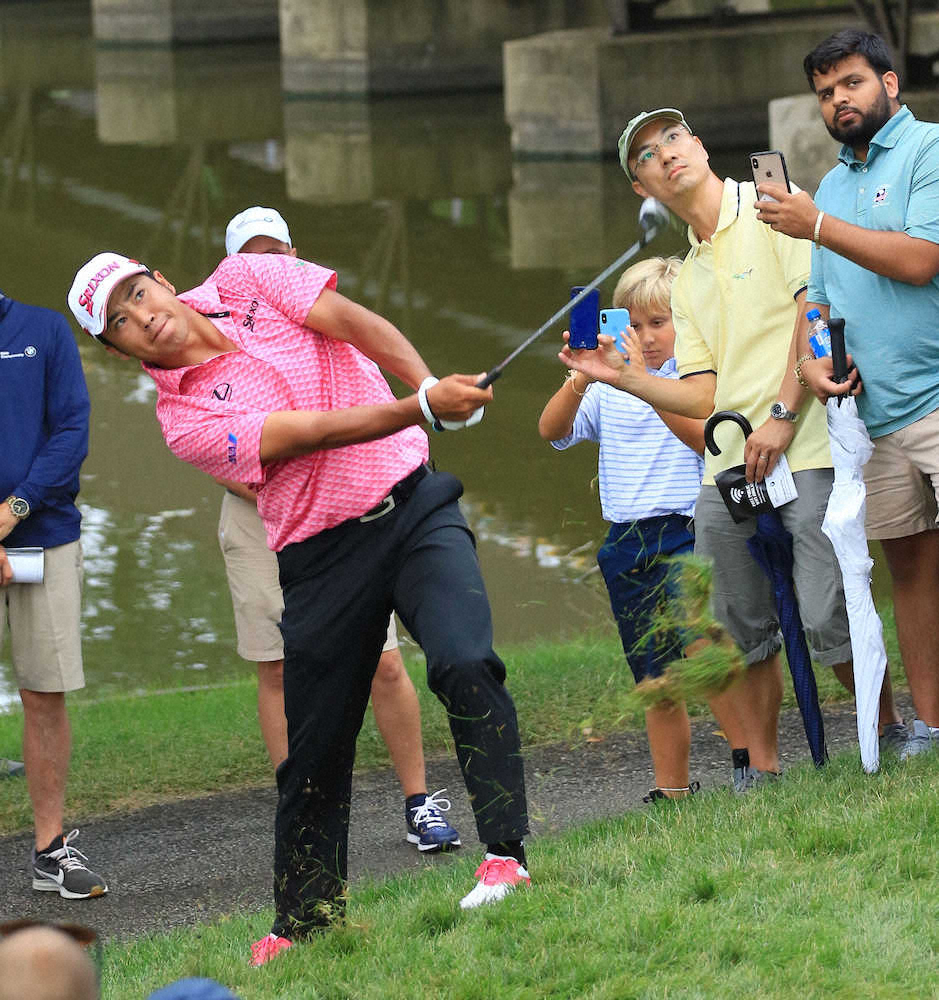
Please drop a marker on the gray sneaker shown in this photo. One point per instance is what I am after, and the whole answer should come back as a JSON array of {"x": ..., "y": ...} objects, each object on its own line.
[
  {"x": 62, "y": 870},
  {"x": 11, "y": 768},
  {"x": 894, "y": 737},
  {"x": 755, "y": 777},
  {"x": 747, "y": 777},
  {"x": 921, "y": 740}
]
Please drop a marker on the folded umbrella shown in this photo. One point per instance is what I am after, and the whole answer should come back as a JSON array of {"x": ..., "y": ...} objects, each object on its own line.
[
  {"x": 851, "y": 448},
  {"x": 771, "y": 547}
]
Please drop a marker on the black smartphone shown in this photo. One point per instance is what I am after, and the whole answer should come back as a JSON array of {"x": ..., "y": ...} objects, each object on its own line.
[
  {"x": 769, "y": 166},
  {"x": 585, "y": 320}
]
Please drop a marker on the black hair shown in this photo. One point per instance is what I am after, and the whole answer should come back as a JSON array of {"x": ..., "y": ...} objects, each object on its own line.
[{"x": 844, "y": 43}]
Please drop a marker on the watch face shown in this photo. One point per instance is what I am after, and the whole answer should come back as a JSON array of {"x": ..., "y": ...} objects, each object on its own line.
[{"x": 19, "y": 506}]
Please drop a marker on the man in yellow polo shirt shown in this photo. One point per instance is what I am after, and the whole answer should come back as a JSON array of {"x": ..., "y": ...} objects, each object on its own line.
[{"x": 737, "y": 302}]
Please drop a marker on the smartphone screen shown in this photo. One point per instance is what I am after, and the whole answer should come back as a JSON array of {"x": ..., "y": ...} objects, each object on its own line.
[
  {"x": 584, "y": 320},
  {"x": 769, "y": 166},
  {"x": 614, "y": 322}
]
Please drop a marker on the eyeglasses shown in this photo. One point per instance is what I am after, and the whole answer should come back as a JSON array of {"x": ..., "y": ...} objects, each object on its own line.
[{"x": 669, "y": 139}]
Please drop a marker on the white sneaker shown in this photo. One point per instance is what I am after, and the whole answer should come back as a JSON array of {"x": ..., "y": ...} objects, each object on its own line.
[{"x": 498, "y": 876}]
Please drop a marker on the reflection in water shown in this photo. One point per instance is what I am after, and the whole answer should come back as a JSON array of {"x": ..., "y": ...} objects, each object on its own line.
[
  {"x": 576, "y": 564},
  {"x": 417, "y": 205}
]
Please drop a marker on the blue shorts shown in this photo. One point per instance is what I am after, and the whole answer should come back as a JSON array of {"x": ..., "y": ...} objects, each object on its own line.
[{"x": 634, "y": 564}]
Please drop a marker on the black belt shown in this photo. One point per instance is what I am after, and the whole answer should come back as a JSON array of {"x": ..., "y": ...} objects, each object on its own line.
[{"x": 399, "y": 493}]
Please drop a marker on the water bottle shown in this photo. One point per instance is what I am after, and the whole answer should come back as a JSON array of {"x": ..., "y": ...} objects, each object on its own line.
[{"x": 819, "y": 334}]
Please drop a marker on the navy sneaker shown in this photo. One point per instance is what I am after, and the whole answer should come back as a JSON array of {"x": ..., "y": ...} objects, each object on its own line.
[
  {"x": 427, "y": 828},
  {"x": 62, "y": 870}
]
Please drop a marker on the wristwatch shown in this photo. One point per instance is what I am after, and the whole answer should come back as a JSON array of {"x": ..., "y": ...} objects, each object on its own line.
[
  {"x": 779, "y": 411},
  {"x": 19, "y": 506}
]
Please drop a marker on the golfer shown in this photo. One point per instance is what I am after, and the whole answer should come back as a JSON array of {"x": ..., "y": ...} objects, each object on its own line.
[
  {"x": 254, "y": 581},
  {"x": 266, "y": 375}
]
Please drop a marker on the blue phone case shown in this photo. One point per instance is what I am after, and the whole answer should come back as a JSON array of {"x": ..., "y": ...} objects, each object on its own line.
[
  {"x": 614, "y": 323},
  {"x": 584, "y": 321}
]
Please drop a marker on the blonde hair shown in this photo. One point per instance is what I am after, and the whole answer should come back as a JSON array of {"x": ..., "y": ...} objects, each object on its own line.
[{"x": 647, "y": 286}]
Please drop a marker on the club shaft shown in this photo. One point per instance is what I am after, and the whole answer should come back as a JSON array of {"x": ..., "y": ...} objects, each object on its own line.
[{"x": 494, "y": 373}]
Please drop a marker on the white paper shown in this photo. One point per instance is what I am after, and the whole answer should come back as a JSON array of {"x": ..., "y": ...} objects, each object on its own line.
[
  {"x": 27, "y": 564},
  {"x": 780, "y": 486}
]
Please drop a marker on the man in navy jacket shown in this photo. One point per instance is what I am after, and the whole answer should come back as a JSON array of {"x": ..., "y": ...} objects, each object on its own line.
[{"x": 44, "y": 426}]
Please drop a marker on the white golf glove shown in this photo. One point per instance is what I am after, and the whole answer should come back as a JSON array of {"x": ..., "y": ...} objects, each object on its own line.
[{"x": 436, "y": 422}]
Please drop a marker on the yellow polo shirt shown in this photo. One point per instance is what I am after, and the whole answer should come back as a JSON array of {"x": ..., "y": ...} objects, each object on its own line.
[{"x": 734, "y": 311}]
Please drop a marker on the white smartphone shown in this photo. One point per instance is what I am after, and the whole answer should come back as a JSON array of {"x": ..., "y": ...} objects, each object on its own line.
[{"x": 769, "y": 166}]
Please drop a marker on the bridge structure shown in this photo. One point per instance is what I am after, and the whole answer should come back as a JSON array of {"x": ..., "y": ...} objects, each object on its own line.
[
  {"x": 566, "y": 93},
  {"x": 569, "y": 70}
]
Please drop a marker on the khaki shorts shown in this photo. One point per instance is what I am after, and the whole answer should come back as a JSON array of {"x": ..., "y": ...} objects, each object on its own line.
[
  {"x": 742, "y": 597},
  {"x": 254, "y": 582},
  {"x": 902, "y": 480},
  {"x": 44, "y": 621}
]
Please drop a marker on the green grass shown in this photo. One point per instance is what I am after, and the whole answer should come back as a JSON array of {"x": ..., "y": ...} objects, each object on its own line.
[
  {"x": 824, "y": 885},
  {"x": 129, "y": 752},
  {"x": 133, "y": 751}
]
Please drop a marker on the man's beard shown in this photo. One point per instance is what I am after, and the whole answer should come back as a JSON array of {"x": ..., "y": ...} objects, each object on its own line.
[{"x": 871, "y": 121}]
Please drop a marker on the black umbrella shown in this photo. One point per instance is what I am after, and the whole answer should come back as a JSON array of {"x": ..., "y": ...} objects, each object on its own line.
[{"x": 771, "y": 547}]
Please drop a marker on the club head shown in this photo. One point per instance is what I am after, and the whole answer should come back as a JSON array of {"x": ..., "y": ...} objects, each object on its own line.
[{"x": 653, "y": 215}]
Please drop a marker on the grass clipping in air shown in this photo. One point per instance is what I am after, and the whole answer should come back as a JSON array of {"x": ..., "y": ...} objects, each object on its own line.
[{"x": 712, "y": 660}]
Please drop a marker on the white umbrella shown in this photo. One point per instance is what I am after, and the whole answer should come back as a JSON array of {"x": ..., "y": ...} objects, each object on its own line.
[{"x": 851, "y": 448}]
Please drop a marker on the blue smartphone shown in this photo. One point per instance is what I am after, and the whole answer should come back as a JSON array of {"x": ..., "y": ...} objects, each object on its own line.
[
  {"x": 585, "y": 317},
  {"x": 614, "y": 322}
]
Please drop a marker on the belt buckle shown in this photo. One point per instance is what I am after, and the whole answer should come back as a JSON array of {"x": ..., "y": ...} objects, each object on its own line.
[{"x": 380, "y": 510}]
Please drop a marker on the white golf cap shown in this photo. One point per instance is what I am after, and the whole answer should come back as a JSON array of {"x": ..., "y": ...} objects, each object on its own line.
[
  {"x": 93, "y": 284},
  {"x": 253, "y": 222}
]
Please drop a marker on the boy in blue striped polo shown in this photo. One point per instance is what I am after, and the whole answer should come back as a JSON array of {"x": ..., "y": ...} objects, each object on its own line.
[{"x": 650, "y": 474}]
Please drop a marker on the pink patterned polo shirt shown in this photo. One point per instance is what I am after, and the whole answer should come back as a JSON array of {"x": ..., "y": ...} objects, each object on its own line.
[{"x": 212, "y": 413}]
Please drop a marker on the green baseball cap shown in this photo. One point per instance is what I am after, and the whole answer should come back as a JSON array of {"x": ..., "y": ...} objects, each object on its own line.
[{"x": 643, "y": 118}]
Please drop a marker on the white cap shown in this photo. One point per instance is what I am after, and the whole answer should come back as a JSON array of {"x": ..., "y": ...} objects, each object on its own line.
[
  {"x": 253, "y": 222},
  {"x": 92, "y": 286},
  {"x": 640, "y": 121}
]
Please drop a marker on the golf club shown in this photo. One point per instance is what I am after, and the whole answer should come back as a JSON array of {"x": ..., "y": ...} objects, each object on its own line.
[{"x": 653, "y": 215}]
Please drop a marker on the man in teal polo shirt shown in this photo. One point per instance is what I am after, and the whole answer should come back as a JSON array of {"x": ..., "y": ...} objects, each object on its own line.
[{"x": 875, "y": 224}]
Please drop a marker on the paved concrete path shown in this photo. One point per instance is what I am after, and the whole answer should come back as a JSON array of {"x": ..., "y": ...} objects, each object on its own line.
[{"x": 192, "y": 860}]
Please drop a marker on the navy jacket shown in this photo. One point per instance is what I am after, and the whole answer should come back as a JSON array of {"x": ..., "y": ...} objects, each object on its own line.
[{"x": 44, "y": 411}]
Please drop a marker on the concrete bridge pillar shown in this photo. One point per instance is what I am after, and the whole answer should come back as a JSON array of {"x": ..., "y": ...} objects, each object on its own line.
[
  {"x": 569, "y": 215},
  {"x": 166, "y": 22},
  {"x": 347, "y": 151},
  {"x": 384, "y": 47},
  {"x": 571, "y": 92},
  {"x": 159, "y": 95}
]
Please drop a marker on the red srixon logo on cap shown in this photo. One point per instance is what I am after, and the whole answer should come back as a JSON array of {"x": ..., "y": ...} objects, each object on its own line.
[{"x": 86, "y": 299}]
